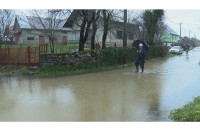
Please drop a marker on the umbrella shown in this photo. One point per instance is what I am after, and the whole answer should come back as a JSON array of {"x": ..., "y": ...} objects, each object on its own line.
[{"x": 137, "y": 42}]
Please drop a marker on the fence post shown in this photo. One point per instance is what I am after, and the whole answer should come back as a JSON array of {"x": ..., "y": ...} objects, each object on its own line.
[
  {"x": 46, "y": 48},
  {"x": 29, "y": 55},
  {"x": 8, "y": 55},
  {"x": 39, "y": 55}
]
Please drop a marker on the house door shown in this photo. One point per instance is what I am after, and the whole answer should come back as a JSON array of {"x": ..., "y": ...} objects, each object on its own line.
[
  {"x": 16, "y": 40},
  {"x": 41, "y": 40},
  {"x": 64, "y": 40}
]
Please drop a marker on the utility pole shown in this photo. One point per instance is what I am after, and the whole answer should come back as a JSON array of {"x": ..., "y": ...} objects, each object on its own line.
[
  {"x": 180, "y": 30},
  {"x": 189, "y": 34},
  {"x": 125, "y": 29}
]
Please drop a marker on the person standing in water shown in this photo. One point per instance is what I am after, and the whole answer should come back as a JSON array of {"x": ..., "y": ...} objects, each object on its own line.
[
  {"x": 140, "y": 59},
  {"x": 187, "y": 48}
]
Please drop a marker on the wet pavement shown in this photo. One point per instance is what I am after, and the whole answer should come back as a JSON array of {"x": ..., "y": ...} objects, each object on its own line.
[{"x": 116, "y": 95}]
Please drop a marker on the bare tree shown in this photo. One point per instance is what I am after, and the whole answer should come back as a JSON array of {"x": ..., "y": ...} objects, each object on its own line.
[
  {"x": 95, "y": 17},
  {"x": 50, "y": 21},
  {"x": 86, "y": 16},
  {"x": 87, "y": 22},
  {"x": 107, "y": 14},
  {"x": 6, "y": 18},
  {"x": 47, "y": 22},
  {"x": 125, "y": 29}
]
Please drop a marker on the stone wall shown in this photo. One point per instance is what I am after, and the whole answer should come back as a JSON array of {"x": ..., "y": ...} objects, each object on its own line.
[{"x": 72, "y": 59}]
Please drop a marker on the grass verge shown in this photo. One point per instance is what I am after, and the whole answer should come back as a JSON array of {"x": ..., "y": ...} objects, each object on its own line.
[
  {"x": 69, "y": 70},
  {"x": 190, "y": 112}
]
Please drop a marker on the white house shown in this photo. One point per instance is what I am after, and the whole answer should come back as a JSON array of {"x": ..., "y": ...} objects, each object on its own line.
[{"x": 115, "y": 32}]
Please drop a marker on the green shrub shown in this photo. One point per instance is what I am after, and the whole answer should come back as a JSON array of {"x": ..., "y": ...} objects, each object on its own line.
[
  {"x": 105, "y": 58},
  {"x": 111, "y": 56},
  {"x": 157, "y": 51},
  {"x": 190, "y": 112}
]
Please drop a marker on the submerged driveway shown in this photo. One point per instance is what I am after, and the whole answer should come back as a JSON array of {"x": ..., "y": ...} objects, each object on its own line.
[{"x": 117, "y": 95}]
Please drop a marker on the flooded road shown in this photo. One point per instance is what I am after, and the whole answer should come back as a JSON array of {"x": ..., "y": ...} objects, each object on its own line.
[{"x": 117, "y": 95}]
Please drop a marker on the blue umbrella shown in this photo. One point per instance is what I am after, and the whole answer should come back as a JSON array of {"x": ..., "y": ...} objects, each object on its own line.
[{"x": 137, "y": 42}]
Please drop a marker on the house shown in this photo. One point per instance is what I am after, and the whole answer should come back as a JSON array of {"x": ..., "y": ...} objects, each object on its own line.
[
  {"x": 115, "y": 32},
  {"x": 169, "y": 37},
  {"x": 33, "y": 30}
]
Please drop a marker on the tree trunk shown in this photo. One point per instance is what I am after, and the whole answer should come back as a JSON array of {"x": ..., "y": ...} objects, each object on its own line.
[
  {"x": 51, "y": 44},
  {"x": 81, "y": 40},
  {"x": 151, "y": 38},
  {"x": 94, "y": 29},
  {"x": 106, "y": 19},
  {"x": 95, "y": 17},
  {"x": 87, "y": 31},
  {"x": 84, "y": 33},
  {"x": 104, "y": 37},
  {"x": 125, "y": 29}
]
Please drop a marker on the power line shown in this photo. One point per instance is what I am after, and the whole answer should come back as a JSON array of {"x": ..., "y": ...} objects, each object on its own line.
[
  {"x": 184, "y": 29},
  {"x": 192, "y": 23},
  {"x": 172, "y": 21},
  {"x": 183, "y": 23},
  {"x": 181, "y": 14}
]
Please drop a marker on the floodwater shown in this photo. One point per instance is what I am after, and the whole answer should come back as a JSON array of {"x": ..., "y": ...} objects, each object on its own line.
[{"x": 116, "y": 95}]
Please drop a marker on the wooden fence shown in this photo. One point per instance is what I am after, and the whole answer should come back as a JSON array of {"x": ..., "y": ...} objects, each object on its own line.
[{"x": 22, "y": 56}]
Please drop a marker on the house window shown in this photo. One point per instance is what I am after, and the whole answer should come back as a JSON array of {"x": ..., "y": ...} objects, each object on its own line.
[
  {"x": 119, "y": 34},
  {"x": 130, "y": 35},
  {"x": 30, "y": 38},
  {"x": 64, "y": 32}
]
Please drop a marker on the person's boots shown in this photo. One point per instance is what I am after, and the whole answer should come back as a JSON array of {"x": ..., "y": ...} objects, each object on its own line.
[
  {"x": 137, "y": 70},
  {"x": 142, "y": 70}
]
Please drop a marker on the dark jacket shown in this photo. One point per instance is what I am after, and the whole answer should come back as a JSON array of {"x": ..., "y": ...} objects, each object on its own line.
[
  {"x": 142, "y": 53},
  {"x": 187, "y": 47}
]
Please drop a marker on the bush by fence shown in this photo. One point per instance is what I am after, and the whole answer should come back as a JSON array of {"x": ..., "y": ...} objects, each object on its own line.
[
  {"x": 107, "y": 56},
  {"x": 111, "y": 56},
  {"x": 157, "y": 51}
]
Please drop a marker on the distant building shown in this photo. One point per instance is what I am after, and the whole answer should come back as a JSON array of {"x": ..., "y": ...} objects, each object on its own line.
[
  {"x": 29, "y": 30},
  {"x": 169, "y": 37}
]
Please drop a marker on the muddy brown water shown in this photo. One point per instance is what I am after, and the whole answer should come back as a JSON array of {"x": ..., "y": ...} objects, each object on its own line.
[{"x": 116, "y": 95}]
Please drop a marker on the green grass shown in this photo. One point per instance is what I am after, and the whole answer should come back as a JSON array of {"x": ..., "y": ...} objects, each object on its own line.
[
  {"x": 191, "y": 48},
  {"x": 69, "y": 70},
  {"x": 190, "y": 112},
  {"x": 13, "y": 70},
  {"x": 17, "y": 46},
  {"x": 58, "y": 49}
]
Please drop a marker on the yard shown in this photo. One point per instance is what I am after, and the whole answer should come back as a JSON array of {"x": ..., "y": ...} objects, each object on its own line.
[{"x": 58, "y": 48}]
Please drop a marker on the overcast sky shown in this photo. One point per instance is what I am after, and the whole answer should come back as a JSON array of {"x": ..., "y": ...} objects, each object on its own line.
[{"x": 190, "y": 20}]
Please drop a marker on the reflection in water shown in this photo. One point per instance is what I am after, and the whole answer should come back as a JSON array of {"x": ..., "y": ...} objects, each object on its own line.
[
  {"x": 187, "y": 58},
  {"x": 106, "y": 96},
  {"x": 117, "y": 95}
]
